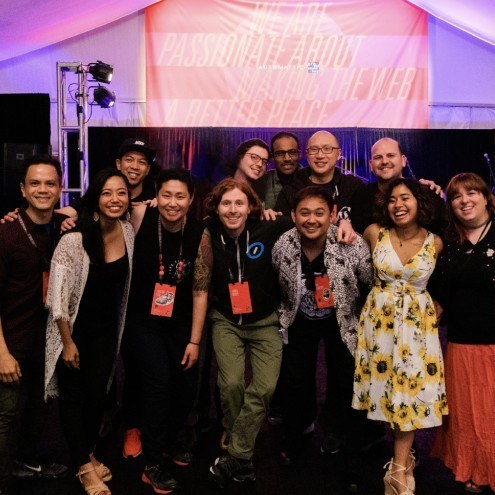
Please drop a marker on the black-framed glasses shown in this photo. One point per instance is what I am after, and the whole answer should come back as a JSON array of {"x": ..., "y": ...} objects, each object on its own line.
[
  {"x": 327, "y": 150},
  {"x": 281, "y": 153},
  {"x": 257, "y": 158}
]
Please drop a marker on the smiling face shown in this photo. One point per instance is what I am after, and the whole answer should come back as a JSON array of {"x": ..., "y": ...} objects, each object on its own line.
[
  {"x": 312, "y": 218},
  {"x": 134, "y": 166},
  {"x": 286, "y": 155},
  {"x": 114, "y": 199},
  {"x": 252, "y": 165},
  {"x": 41, "y": 188},
  {"x": 387, "y": 161},
  {"x": 322, "y": 164},
  {"x": 174, "y": 201},
  {"x": 402, "y": 206},
  {"x": 233, "y": 211},
  {"x": 470, "y": 207}
]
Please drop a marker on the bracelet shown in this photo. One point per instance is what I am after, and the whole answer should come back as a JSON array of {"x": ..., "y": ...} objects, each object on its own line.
[{"x": 194, "y": 343}]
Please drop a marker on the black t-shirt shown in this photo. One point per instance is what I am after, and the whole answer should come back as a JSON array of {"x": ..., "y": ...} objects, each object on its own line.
[
  {"x": 307, "y": 306},
  {"x": 146, "y": 265}
]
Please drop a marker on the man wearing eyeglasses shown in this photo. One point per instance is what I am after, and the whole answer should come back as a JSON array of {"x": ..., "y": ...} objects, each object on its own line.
[
  {"x": 286, "y": 155},
  {"x": 322, "y": 152}
]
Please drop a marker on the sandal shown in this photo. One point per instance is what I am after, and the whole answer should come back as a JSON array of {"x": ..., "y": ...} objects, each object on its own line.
[
  {"x": 103, "y": 471},
  {"x": 97, "y": 489},
  {"x": 390, "y": 480},
  {"x": 472, "y": 487}
]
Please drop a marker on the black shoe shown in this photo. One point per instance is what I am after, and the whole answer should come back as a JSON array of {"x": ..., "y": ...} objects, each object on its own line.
[
  {"x": 227, "y": 467},
  {"x": 35, "y": 469},
  {"x": 179, "y": 455},
  {"x": 275, "y": 417},
  {"x": 159, "y": 478}
]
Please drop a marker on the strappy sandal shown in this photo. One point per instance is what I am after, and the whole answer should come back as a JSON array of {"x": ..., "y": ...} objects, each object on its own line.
[
  {"x": 103, "y": 471},
  {"x": 411, "y": 482},
  {"x": 97, "y": 489},
  {"x": 390, "y": 489}
]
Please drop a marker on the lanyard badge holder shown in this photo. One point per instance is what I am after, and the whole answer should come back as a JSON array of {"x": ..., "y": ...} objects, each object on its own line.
[
  {"x": 240, "y": 296},
  {"x": 163, "y": 300}
]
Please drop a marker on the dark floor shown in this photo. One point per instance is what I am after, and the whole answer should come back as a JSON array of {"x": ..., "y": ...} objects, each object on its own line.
[{"x": 315, "y": 474}]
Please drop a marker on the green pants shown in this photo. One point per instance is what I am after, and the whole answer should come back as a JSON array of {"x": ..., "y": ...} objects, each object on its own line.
[{"x": 244, "y": 408}]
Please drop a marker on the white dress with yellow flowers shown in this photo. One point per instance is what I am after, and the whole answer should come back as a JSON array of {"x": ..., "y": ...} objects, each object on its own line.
[{"x": 399, "y": 366}]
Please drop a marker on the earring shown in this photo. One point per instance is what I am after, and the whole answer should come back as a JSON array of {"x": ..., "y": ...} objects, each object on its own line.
[
  {"x": 96, "y": 216},
  {"x": 128, "y": 216}
]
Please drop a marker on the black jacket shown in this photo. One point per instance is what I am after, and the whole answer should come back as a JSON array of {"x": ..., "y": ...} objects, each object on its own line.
[{"x": 342, "y": 187}]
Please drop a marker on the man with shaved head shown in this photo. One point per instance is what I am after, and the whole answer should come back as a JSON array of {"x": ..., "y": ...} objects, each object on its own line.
[
  {"x": 322, "y": 152},
  {"x": 387, "y": 163}
]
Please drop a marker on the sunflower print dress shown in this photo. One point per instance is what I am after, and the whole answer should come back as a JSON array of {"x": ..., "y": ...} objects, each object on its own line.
[{"x": 399, "y": 367}]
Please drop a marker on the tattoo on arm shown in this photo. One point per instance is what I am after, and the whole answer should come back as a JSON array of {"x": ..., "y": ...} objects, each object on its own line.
[{"x": 203, "y": 264}]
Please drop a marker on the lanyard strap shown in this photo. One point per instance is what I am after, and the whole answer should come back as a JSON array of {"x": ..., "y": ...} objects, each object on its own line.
[
  {"x": 32, "y": 241},
  {"x": 240, "y": 266},
  {"x": 180, "y": 264}
]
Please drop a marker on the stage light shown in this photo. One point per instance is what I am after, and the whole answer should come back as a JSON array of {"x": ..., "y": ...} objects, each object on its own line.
[
  {"x": 101, "y": 72},
  {"x": 103, "y": 97}
]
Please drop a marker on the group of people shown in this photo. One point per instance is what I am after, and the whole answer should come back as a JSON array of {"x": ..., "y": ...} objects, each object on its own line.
[{"x": 277, "y": 266}]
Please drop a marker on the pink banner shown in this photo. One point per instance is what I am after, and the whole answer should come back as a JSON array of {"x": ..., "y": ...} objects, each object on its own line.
[{"x": 241, "y": 63}]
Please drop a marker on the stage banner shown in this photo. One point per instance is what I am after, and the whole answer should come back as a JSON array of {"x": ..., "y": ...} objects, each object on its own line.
[{"x": 246, "y": 63}]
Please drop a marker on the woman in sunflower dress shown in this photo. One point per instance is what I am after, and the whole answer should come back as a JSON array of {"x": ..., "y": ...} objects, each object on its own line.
[{"x": 399, "y": 367}]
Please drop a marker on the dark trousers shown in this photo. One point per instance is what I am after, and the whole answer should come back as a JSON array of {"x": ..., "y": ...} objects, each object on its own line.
[
  {"x": 298, "y": 374},
  {"x": 168, "y": 392},
  {"x": 22, "y": 411},
  {"x": 131, "y": 399},
  {"x": 83, "y": 391}
]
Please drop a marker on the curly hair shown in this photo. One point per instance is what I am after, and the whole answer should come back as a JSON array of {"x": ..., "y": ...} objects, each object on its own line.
[
  {"x": 213, "y": 199},
  {"x": 469, "y": 182},
  {"x": 425, "y": 204}
]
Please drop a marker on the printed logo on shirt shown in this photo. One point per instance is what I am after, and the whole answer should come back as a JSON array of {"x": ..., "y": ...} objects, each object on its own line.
[{"x": 255, "y": 250}]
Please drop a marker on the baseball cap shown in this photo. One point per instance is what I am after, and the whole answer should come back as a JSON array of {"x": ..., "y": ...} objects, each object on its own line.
[{"x": 137, "y": 144}]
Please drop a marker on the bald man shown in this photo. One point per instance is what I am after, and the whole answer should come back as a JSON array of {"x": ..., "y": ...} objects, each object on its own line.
[
  {"x": 322, "y": 152},
  {"x": 387, "y": 163}
]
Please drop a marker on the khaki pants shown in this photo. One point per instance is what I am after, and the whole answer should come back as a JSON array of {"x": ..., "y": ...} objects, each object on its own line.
[{"x": 244, "y": 408}]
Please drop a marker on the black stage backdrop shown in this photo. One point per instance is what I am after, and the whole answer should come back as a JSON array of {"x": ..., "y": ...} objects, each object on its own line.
[{"x": 432, "y": 154}]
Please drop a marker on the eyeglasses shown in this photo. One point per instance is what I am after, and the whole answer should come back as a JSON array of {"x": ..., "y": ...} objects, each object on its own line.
[
  {"x": 256, "y": 158},
  {"x": 282, "y": 153},
  {"x": 327, "y": 150}
]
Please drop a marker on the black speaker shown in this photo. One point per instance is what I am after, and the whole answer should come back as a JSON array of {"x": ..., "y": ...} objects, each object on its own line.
[{"x": 14, "y": 155}]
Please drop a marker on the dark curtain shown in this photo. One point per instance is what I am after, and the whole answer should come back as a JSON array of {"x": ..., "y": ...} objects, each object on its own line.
[{"x": 432, "y": 154}]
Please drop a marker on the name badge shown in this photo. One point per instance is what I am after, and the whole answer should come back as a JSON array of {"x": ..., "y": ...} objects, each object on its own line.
[
  {"x": 46, "y": 278},
  {"x": 323, "y": 292},
  {"x": 240, "y": 298},
  {"x": 163, "y": 300}
]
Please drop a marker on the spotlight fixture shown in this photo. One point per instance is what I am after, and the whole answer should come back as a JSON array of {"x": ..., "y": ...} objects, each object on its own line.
[
  {"x": 101, "y": 72},
  {"x": 103, "y": 97}
]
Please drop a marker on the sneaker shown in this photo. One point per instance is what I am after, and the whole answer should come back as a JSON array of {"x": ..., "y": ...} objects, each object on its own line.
[
  {"x": 34, "y": 469},
  {"x": 179, "y": 455},
  {"x": 245, "y": 473},
  {"x": 330, "y": 445},
  {"x": 227, "y": 467},
  {"x": 132, "y": 443},
  {"x": 159, "y": 479}
]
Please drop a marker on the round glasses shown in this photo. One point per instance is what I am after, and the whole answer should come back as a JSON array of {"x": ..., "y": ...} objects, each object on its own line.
[{"x": 257, "y": 158}]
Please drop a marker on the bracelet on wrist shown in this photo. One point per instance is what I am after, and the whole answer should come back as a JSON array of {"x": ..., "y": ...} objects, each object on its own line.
[{"x": 194, "y": 343}]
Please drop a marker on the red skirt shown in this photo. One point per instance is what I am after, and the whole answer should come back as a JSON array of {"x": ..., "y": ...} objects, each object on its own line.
[{"x": 466, "y": 440}]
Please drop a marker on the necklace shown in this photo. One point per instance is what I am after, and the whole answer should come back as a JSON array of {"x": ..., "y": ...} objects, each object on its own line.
[
  {"x": 406, "y": 238},
  {"x": 474, "y": 227}
]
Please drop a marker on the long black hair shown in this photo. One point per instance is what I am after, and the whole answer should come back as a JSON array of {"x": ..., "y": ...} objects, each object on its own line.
[{"x": 86, "y": 223}]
